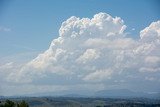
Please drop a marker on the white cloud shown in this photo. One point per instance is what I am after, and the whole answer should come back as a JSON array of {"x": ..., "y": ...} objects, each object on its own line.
[
  {"x": 85, "y": 46},
  {"x": 95, "y": 50},
  {"x": 152, "y": 59},
  {"x": 148, "y": 69},
  {"x": 89, "y": 55},
  {"x": 4, "y": 29},
  {"x": 7, "y": 65},
  {"x": 69, "y": 49},
  {"x": 98, "y": 76},
  {"x": 151, "y": 33},
  {"x": 29, "y": 89},
  {"x": 133, "y": 29},
  {"x": 150, "y": 78}
]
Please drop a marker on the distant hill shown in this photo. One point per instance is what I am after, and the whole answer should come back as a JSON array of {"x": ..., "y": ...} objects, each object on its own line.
[
  {"x": 74, "y": 95},
  {"x": 1, "y": 96},
  {"x": 114, "y": 93},
  {"x": 85, "y": 102},
  {"x": 120, "y": 93}
]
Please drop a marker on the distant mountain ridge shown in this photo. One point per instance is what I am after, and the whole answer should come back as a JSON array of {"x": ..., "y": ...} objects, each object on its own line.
[
  {"x": 120, "y": 93},
  {"x": 113, "y": 93}
]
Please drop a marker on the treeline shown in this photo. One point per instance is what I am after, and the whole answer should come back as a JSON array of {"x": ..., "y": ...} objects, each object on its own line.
[{"x": 9, "y": 103}]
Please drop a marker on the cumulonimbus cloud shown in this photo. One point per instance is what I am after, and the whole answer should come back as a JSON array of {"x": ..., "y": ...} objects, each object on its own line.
[{"x": 96, "y": 50}]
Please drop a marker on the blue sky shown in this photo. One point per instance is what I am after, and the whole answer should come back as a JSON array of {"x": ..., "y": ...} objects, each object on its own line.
[
  {"x": 44, "y": 49},
  {"x": 35, "y": 23}
]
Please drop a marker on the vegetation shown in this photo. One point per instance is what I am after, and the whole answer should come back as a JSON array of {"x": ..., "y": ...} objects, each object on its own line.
[
  {"x": 78, "y": 102},
  {"x": 9, "y": 103}
]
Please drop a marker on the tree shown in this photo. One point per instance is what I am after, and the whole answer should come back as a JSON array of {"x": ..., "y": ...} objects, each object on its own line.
[
  {"x": 9, "y": 103},
  {"x": 23, "y": 104}
]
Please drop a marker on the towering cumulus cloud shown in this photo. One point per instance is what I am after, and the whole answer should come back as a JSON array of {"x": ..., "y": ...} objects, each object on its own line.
[{"x": 97, "y": 50}]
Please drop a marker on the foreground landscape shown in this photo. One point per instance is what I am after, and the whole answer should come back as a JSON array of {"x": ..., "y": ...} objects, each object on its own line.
[{"x": 84, "y": 102}]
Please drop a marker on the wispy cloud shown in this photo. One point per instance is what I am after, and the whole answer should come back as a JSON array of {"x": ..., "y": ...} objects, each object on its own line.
[
  {"x": 23, "y": 47},
  {"x": 4, "y": 29}
]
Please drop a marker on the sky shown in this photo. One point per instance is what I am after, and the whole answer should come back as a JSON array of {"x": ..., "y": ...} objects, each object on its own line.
[{"x": 79, "y": 46}]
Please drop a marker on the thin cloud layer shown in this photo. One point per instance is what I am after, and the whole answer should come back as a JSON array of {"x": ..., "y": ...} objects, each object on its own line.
[{"x": 96, "y": 50}]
